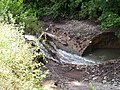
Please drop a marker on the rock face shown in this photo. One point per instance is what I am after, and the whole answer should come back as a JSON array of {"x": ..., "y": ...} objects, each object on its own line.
[{"x": 80, "y": 37}]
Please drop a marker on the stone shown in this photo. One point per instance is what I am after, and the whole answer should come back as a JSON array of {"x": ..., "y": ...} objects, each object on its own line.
[{"x": 81, "y": 37}]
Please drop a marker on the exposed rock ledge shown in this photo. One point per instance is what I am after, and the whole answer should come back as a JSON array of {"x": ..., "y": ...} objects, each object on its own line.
[{"x": 80, "y": 37}]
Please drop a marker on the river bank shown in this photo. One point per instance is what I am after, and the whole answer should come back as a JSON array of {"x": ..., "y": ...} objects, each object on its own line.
[
  {"x": 78, "y": 77},
  {"x": 81, "y": 37}
]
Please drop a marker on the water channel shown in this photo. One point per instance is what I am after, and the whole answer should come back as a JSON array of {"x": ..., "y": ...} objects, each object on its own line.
[{"x": 95, "y": 57}]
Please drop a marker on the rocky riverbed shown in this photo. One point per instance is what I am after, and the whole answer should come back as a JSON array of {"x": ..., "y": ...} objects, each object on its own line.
[{"x": 78, "y": 77}]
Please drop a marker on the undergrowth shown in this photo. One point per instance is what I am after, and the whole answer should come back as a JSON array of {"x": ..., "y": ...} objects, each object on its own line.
[
  {"x": 18, "y": 12},
  {"x": 17, "y": 70},
  {"x": 106, "y": 12}
]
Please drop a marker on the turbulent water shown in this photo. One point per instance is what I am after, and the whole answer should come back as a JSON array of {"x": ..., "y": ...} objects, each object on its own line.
[
  {"x": 73, "y": 58},
  {"x": 95, "y": 57}
]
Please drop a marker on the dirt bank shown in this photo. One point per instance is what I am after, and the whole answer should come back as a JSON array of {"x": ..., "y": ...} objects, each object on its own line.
[{"x": 80, "y": 37}]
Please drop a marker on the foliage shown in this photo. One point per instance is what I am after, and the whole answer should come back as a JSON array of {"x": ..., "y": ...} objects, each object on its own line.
[
  {"x": 17, "y": 71},
  {"x": 90, "y": 9},
  {"x": 105, "y": 11},
  {"x": 109, "y": 19},
  {"x": 117, "y": 33},
  {"x": 43, "y": 6},
  {"x": 57, "y": 8},
  {"x": 20, "y": 12}
]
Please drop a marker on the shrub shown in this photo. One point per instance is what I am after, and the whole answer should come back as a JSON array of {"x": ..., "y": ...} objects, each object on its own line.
[
  {"x": 17, "y": 71},
  {"x": 109, "y": 20},
  {"x": 106, "y": 11},
  {"x": 90, "y": 9},
  {"x": 21, "y": 13}
]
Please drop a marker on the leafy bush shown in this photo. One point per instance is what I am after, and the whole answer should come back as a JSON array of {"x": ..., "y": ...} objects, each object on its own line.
[
  {"x": 17, "y": 71},
  {"x": 21, "y": 13},
  {"x": 25, "y": 12},
  {"x": 56, "y": 8},
  {"x": 108, "y": 20},
  {"x": 106, "y": 11},
  {"x": 90, "y": 9}
]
